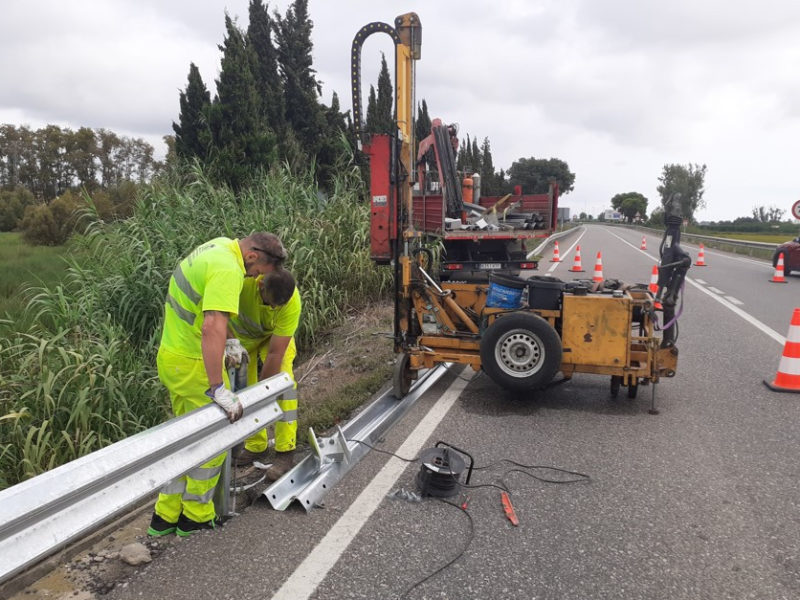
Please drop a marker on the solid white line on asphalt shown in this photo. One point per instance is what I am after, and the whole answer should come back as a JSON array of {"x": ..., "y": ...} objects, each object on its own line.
[
  {"x": 729, "y": 305},
  {"x": 700, "y": 281},
  {"x": 733, "y": 300},
  {"x": 716, "y": 290},
  {"x": 310, "y": 573}
]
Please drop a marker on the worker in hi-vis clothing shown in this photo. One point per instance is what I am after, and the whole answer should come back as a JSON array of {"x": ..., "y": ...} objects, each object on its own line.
[
  {"x": 269, "y": 312},
  {"x": 203, "y": 292}
]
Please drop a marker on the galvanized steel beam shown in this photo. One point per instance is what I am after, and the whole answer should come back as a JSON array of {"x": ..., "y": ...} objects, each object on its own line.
[
  {"x": 43, "y": 514},
  {"x": 312, "y": 478}
]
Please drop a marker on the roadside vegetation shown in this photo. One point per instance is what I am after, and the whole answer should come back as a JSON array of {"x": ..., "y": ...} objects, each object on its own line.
[
  {"x": 78, "y": 371},
  {"x": 25, "y": 265}
]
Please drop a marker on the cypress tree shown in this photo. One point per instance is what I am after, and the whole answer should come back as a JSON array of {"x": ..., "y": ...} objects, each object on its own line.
[
  {"x": 371, "y": 125},
  {"x": 242, "y": 142},
  {"x": 265, "y": 69},
  {"x": 476, "y": 156},
  {"x": 385, "y": 101},
  {"x": 300, "y": 86},
  {"x": 192, "y": 135},
  {"x": 487, "y": 170}
]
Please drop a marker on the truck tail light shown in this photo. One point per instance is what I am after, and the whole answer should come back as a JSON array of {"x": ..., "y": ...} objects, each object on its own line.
[
  {"x": 527, "y": 265},
  {"x": 453, "y": 267}
]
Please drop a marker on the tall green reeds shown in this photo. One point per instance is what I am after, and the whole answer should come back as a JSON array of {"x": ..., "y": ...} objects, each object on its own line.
[{"x": 82, "y": 374}]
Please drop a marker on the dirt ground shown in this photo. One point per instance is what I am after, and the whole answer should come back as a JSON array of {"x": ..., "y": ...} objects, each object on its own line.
[{"x": 343, "y": 370}]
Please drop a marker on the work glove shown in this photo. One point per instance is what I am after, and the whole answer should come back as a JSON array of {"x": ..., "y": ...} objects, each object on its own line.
[
  {"x": 227, "y": 401},
  {"x": 234, "y": 353}
]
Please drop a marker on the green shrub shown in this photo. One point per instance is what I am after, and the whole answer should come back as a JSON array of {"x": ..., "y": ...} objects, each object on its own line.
[
  {"x": 52, "y": 224},
  {"x": 12, "y": 207}
]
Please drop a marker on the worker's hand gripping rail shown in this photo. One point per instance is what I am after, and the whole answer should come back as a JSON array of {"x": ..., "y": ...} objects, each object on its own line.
[{"x": 44, "y": 514}]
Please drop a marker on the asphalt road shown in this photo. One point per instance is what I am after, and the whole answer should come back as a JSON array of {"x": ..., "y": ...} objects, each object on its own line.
[{"x": 700, "y": 501}]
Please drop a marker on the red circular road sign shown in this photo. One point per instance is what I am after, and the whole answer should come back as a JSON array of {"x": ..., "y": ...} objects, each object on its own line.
[{"x": 796, "y": 210}]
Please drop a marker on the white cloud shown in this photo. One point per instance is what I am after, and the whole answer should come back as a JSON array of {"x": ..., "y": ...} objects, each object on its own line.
[{"x": 616, "y": 88}]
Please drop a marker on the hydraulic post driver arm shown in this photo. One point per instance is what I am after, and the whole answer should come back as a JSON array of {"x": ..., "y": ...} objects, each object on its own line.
[
  {"x": 407, "y": 37},
  {"x": 675, "y": 262}
]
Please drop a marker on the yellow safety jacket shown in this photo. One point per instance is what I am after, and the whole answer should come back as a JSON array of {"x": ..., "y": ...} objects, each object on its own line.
[
  {"x": 210, "y": 278},
  {"x": 257, "y": 322}
]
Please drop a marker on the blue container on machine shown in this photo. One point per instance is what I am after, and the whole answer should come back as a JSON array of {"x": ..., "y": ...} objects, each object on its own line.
[{"x": 504, "y": 292}]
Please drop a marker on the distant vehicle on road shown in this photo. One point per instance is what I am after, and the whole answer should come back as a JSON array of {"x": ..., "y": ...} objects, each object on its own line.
[{"x": 791, "y": 256}]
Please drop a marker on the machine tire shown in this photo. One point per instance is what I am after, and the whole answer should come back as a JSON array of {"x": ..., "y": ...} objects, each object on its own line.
[
  {"x": 402, "y": 377},
  {"x": 616, "y": 382},
  {"x": 633, "y": 389},
  {"x": 521, "y": 352}
]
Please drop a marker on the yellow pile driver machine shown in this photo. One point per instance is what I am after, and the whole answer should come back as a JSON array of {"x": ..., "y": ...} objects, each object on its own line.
[{"x": 520, "y": 332}]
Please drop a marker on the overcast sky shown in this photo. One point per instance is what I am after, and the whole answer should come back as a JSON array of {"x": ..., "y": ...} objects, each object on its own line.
[{"x": 616, "y": 88}]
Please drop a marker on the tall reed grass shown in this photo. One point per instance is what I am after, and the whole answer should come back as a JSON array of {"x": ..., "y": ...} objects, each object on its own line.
[{"x": 82, "y": 373}]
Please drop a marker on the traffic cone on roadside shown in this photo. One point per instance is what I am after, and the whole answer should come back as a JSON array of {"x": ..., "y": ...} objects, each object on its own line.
[
  {"x": 644, "y": 244},
  {"x": 576, "y": 265},
  {"x": 653, "y": 287},
  {"x": 556, "y": 257},
  {"x": 701, "y": 257},
  {"x": 788, "y": 376},
  {"x": 598, "y": 269},
  {"x": 778, "y": 276}
]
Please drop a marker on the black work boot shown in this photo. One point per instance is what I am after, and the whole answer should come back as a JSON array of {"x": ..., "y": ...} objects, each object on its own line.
[
  {"x": 187, "y": 527},
  {"x": 159, "y": 526}
]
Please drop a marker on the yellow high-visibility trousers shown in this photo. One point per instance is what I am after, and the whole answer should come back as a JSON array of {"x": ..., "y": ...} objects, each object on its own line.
[
  {"x": 193, "y": 494},
  {"x": 286, "y": 428}
]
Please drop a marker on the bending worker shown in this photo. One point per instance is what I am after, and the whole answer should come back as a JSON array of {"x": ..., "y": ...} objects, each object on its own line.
[
  {"x": 269, "y": 312},
  {"x": 203, "y": 292}
]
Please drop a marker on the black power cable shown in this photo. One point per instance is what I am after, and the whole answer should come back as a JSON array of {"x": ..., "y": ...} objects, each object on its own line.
[{"x": 578, "y": 477}]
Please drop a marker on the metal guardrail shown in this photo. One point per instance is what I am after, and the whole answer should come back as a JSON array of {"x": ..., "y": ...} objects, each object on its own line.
[
  {"x": 333, "y": 457},
  {"x": 760, "y": 249},
  {"x": 43, "y": 514}
]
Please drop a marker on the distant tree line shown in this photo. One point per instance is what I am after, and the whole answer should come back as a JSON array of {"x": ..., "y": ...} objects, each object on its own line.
[
  {"x": 49, "y": 161},
  {"x": 43, "y": 173},
  {"x": 267, "y": 106}
]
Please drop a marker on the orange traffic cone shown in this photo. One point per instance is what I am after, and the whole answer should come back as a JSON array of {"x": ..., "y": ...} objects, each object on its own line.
[
  {"x": 576, "y": 266},
  {"x": 556, "y": 257},
  {"x": 598, "y": 269},
  {"x": 788, "y": 377},
  {"x": 701, "y": 257},
  {"x": 644, "y": 244},
  {"x": 653, "y": 287},
  {"x": 778, "y": 276}
]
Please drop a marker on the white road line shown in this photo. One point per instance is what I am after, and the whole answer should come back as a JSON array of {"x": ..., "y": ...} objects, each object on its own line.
[
  {"x": 700, "y": 281},
  {"x": 566, "y": 252},
  {"x": 729, "y": 305},
  {"x": 310, "y": 573},
  {"x": 716, "y": 290},
  {"x": 734, "y": 300}
]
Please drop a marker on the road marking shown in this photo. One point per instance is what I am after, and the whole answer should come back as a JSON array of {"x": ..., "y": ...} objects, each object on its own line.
[
  {"x": 729, "y": 305},
  {"x": 716, "y": 290},
  {"x": 563, "y": 256},
  {"x": 309, "y": 574},
  {"x": 734, "y": 300},
  {"x": 700, "y": 281}
]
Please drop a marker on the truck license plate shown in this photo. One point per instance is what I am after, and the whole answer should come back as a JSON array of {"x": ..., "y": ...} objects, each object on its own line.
[{"x": 489, "y": 265}]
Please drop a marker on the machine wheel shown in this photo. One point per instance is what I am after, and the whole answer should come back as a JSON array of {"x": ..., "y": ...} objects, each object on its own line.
[
  {"x": 402, "y": 377},
  {"x": 633, "y": 389},
  {"x": 616, "y": 382},
  {"x": 521, "y": 352}
]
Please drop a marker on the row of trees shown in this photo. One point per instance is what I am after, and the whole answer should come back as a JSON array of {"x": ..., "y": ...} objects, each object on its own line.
[
  {"x": 51, "y": 160},
  {"x": 267, "y": 104}
]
